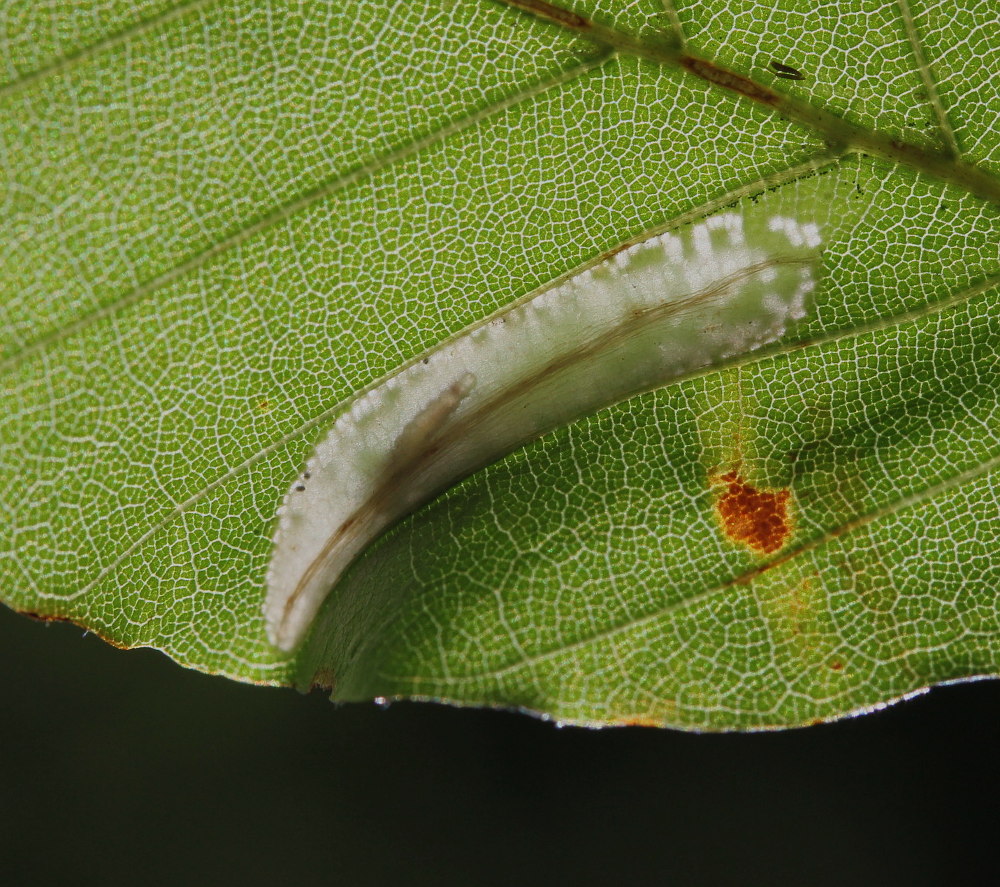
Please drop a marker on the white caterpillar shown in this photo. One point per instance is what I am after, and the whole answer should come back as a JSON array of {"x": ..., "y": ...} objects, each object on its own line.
[{"x": 654, "y": 312}]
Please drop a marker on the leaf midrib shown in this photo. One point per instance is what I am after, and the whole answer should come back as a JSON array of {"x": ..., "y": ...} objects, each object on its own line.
[{"x": 843, "y": 138}]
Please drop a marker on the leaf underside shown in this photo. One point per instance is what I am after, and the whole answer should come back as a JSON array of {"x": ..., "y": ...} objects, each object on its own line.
[{"x": 220, "y": 221}]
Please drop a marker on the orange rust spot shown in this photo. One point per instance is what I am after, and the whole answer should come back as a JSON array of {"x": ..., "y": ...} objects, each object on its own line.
[{"x": 756, "y": 518}]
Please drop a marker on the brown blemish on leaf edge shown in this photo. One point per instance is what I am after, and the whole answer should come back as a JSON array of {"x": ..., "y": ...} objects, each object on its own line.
[
  {"x": 639, "y": 721},
  {"x": 323, "y": 679},
  {"x": 51, "y": 617}
]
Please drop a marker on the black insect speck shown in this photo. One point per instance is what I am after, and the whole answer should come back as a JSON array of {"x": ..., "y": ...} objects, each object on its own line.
[{"x": 787, "y": 71}]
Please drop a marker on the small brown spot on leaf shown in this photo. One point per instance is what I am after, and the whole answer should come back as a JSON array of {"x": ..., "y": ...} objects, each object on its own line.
[
  {"x": 753, "y": 517},
  {"x": 836, "y": 665}
]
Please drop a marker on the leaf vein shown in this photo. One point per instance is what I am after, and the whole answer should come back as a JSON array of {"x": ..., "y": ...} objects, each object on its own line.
[
  {"x": 889, "y": 509},
  {"x": 297, "y": 204},
  {"x": 109, "y": 41}
]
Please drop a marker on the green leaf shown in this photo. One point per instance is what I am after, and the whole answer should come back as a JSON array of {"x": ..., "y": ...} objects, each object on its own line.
[{"x": 220, "y": 222}]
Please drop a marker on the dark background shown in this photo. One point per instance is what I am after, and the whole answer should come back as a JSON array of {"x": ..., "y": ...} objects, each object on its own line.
[{"x": 123, "y": 768}]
